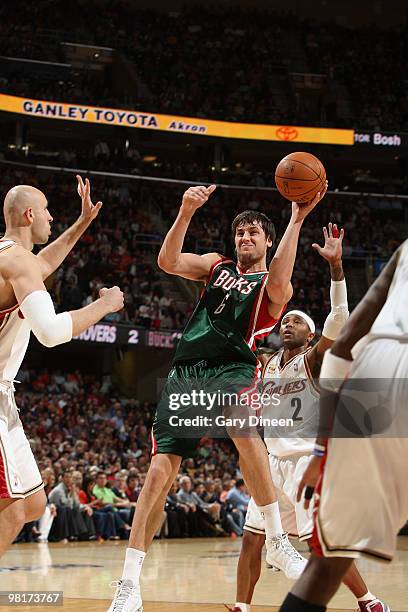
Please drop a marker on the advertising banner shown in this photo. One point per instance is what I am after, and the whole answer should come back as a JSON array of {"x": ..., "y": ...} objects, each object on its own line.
[
  {"x": 119, "y": 334},
  {"x": 173, "y": 123},
  {"x": 381, "y": 139}
]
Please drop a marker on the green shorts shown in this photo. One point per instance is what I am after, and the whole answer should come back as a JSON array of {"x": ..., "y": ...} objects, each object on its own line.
[{"x": 195, "y": 394}]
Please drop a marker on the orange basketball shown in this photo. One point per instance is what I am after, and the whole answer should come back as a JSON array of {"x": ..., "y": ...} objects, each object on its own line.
[{"x": 300, "y": 176}]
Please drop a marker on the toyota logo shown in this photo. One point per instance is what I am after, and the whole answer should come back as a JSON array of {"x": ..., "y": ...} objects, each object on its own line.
[{"x": 286, "y": 132}]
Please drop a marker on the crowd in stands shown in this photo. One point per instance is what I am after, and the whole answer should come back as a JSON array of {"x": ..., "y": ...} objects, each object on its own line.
[
  {"x": 247, "y": 57},
  {"x": 121, "y": 246},
  {"x": 368, "y": 62},
  {"x": 92, "y": 446},
  {"x": 119, "y": 155}
]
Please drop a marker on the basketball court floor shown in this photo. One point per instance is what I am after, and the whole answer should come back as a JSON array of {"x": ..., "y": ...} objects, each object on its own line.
[{"x": 178, "y": 576}]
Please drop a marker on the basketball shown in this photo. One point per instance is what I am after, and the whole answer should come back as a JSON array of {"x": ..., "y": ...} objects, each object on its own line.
[{"x": 300, "y": 176}]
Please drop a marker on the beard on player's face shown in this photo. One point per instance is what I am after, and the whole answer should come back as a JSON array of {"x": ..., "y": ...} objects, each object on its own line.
[
  {"x": 247, "y": 258},
  {"x": 297, "y": 341},
  {"x": 249, "y": 254}
]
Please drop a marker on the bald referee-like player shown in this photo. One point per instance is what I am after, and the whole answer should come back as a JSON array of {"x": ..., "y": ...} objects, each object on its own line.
[{"x": 25, "y": 306}]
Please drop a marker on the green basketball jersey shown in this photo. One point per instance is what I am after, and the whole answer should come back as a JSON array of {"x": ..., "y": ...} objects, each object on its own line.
[{"x": 230, "y": 317}]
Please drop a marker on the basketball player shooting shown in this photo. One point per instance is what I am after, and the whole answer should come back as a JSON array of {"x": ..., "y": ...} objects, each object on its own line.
[
  {"x": 297, "y": 360},
  {"x": 25, "y": 306},
  {"x": 372, "y": 345},
  {"x": 240, "y": 303}
]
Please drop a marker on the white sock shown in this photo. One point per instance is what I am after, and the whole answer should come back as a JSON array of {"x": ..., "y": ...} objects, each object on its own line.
[
  {"x": 243, "y": 607},
  {"x": 133, "y": 565},
  {"x": 273, "y": 523},
  {"x": 367, "y": 597}
]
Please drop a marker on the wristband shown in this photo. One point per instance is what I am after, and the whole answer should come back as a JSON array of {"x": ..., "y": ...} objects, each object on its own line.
[
  {"x": 318, "y": 453},
  {"x": 339, "y": 312},
  {"x": 338, "y": 293}
]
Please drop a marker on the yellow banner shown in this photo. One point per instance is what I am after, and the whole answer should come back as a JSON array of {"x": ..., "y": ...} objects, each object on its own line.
[{"x": 170, "y": 123}]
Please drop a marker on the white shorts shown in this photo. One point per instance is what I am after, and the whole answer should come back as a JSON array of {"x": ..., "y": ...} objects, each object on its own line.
[
  {"x": 286, "y": 474},
  {"x": 19, "y": 473},
  {"x": 363, "y": 495}
]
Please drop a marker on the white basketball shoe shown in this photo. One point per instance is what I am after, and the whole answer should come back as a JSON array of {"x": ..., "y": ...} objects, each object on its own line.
[
  {"x": 127, "y": 597},
  {"x": 280, "y": 554}
]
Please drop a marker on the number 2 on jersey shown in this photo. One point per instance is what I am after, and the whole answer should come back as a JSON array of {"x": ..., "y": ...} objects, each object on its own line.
[{"x": 296, "y": 403}]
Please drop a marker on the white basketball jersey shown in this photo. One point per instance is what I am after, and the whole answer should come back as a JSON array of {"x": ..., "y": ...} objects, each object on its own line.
[
  {"x": 298, "y": 400},
  {"x": 393, "y": 317},
  {"x": 14, "y": 335}
]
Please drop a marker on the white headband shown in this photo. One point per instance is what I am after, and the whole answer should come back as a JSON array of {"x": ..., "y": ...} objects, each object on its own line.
[{"x": 304, "y": 316}]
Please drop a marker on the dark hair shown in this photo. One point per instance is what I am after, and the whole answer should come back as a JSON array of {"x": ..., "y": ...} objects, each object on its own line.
[
  {"x": 252, "y": 216},
  {"x": 239, "y": 483},
  {"x": 88, "y": 481}
]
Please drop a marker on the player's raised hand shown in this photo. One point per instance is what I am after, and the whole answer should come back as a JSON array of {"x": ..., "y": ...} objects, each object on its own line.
[
  {"x": 309, "y": 480},
  {"x": 333, "y": 240},
  {"x": 195, "y": 197},
  {"x": 300, "y": 211},
  {"x": 89, "y": 210}
]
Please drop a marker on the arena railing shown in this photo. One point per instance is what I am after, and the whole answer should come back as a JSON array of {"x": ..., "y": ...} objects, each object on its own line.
[{"x": 156, "y": 179}]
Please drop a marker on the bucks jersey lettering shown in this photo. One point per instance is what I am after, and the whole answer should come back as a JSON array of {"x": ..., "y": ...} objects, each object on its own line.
[{"x": 230, "y": 317}]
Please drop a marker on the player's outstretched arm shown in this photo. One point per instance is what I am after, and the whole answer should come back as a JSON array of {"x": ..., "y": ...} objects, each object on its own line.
[
  {"x": 23, "y": 272},
  {"x": 279, "y": 287},
  {"x": 332, "y": 252},
  {"x": 171, "y": 259},
  {"x": 52, "y": 256},
  {"x": 110, "y": 300}
]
